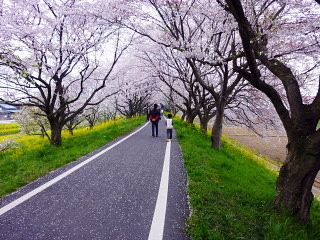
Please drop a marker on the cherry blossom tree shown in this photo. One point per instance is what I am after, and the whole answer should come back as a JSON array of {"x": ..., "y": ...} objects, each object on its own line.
[
  {"x": 197, "y": 33},
  {"x": 179, "y": 79},
  {"x": 136, "y": 88},
  {"x": 175, "y": 75},
  {"x": 73, "y": 123},
  {"x": 32, "y": 121},
  {"x": 280, "y": 43},
  {"x": 57, "y": 55},
  {"x": 132, "y": 103},
  {"x": 108, "y": 110},
  {"x": 92, "y": 116},
  {"x": 283, "y": 37},
  {"x": 254, "y": 111}
]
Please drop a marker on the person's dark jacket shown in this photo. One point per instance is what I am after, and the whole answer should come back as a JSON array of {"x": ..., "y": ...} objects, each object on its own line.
[{"x": 154, "y": 115}]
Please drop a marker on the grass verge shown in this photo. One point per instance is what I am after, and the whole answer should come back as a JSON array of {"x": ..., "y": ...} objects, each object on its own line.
[
  {"x": 20, "y": 166},
  {"x": 231, "y": 193}
]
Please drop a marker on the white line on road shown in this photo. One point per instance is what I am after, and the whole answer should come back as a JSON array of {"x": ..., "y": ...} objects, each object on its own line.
[
  {"x": 157, "y": 226},
  {"x": 61, "y": 176}
]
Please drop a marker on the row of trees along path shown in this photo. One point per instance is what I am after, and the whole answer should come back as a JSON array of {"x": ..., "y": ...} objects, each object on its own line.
[{"x": 243, "y": 61}]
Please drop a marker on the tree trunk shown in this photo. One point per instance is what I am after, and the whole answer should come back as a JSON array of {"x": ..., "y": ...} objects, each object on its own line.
[
  {"x": 56, "y": 134},
  {"x": 295, "y": 180},
  {"x": 191, "y": 117},
  {"x": 204, "y": 124},
  {"x": 183, "y": 116},
  {"x": 217, "y": 128},
  {"x": 204, "y": 127},
  {"x": 70, "y": 129}
]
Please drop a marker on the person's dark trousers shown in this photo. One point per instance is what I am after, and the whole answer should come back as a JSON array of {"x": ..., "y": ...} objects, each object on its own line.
[
  {"x": 154, "y": 128},
  {"x": 169, "y": 133}
]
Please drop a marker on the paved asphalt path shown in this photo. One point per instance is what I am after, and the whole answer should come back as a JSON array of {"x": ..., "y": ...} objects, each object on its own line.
[{"x": 111, "y": 197}]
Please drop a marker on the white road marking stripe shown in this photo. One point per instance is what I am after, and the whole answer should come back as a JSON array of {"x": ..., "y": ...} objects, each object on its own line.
[
  {"x": 157, "y": 226},
  {"x": 61, "y": 176}
]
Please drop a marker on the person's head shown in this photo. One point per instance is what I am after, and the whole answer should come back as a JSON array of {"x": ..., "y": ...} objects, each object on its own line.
[
  {"x": 155, "y": 106},
  {"x": 169, "y": 115}
]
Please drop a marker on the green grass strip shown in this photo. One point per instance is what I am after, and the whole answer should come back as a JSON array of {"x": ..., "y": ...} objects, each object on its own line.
[
  {"x": 19, "y": 167},
  {"x": 231, "y": 194}
]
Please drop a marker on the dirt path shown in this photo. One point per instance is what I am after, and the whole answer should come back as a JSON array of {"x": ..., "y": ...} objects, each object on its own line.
[{"x": 272, "y": 146}]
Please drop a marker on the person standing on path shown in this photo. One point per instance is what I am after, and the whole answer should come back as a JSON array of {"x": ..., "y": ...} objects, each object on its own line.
[
  {"x": 154, "y": 118},
  {"x": 169, "y": 124}
]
